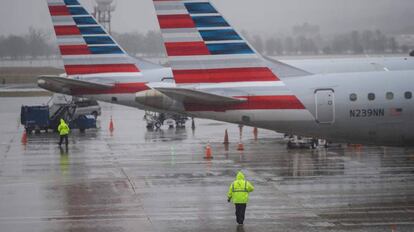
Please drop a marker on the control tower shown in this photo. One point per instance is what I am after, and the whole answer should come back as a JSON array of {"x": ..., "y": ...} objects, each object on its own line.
[{"x": 102, "y": 12}]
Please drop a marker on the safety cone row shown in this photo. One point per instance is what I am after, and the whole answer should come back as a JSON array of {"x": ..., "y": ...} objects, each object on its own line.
[
  {"x": 208, "y": 152},
  {"x": 111, "y": 125},
  {"x": 240, "y": 145},
  {"x": 24, "y": 138}
]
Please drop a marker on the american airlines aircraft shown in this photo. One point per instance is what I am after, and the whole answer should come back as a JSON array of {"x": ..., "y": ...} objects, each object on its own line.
[{"x": 218, "y": 75}]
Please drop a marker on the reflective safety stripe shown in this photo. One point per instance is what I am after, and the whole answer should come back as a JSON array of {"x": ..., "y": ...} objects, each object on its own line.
[{"x": 240, "y": 191}]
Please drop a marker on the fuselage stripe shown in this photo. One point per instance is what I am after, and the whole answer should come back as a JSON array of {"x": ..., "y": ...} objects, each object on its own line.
[
  {"x": 253, "y": 103},
  {"x": 100, "y": 68},
  {"x": 223, "y": 75}
]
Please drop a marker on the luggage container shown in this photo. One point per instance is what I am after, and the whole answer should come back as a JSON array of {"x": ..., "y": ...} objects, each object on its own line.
[{"x": 35, "y": 118}]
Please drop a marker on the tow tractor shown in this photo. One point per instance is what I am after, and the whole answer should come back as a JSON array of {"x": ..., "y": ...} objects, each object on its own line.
[
  {"x": 156, "y": 120},
  {"x": 298, "y": 142},
  {"x": 47, "y": 117}
]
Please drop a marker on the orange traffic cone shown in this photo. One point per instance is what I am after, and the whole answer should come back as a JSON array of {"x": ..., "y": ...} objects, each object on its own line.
[
  {"x": 393, "y": 228},
  {"x": 226, "y": 137},
  {"x": 255, "y": 133},
  {"x": 24, "y": 138},
  {"x": 240, "y": 146},
  {"x": 111, "y": 125},
  {"x": 208, "y": 152}
]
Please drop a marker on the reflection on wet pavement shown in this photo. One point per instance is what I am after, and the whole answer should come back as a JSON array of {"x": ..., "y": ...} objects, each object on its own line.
[{"x": 139, "y": 180}]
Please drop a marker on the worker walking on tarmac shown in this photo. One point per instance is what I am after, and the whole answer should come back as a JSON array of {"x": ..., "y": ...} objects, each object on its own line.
[
  {"x": 239, "y": 194},
  {"x": 63, "y": 129}
]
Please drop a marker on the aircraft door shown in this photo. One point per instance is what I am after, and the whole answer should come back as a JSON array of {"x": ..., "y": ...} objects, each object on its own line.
[{"x": 325, "y": 106}]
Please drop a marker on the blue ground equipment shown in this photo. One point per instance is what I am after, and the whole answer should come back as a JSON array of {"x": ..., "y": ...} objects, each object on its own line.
[
  {"x": 83, "y": 122},
  {"x": 38, "y": 118},
  {"x": 35, "y": 118}
]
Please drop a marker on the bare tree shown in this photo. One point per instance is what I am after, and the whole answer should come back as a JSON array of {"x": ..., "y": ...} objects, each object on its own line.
[
  {"x": 36, "y": 40},
  {"x": 258, "y": 43},
  {"x": 133, "y": 43},
  {"x": 15, "y": 47}
]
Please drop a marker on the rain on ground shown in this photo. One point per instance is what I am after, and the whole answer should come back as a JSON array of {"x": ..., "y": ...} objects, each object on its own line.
[{"x": 139, "y": 180}]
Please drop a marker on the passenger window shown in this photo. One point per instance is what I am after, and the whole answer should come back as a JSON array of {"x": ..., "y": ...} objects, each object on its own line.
[
  {"x": 353, "y": 97},
  {"x": 371, "y": 96},
  {"x": 389, "y": 95},
  {"x": 408, "y": 95}
]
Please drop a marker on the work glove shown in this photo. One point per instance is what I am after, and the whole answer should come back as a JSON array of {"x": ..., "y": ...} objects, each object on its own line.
[{"x": 228, "y": 199}]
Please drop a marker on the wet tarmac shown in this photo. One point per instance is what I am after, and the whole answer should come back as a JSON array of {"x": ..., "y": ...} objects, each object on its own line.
[{"x": 136, "y": 180}]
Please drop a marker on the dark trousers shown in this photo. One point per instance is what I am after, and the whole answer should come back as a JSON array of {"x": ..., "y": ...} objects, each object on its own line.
[
  {"x": 61, "y": 139},
  {"x": 240, "y": 211}
]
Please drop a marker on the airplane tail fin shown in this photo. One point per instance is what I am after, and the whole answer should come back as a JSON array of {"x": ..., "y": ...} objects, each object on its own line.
[
  {"x": 204, "y": 48},
  {"x": 86, "y": 47}
]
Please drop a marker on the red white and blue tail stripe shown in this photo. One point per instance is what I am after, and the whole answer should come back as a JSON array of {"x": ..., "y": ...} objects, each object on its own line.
[
  {"x": 208, "y": 55},
  {"x": 86, "y": 47},
  {"x": 204, "y": 48}
]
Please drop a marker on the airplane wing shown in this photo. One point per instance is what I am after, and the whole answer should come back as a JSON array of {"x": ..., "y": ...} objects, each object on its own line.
[
  {"x": 67, "y": 85},
  {"x": 190, "y": 96}
]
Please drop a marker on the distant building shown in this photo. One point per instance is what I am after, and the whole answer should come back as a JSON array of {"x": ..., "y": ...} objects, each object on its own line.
[{"x": 405, "y": 39}]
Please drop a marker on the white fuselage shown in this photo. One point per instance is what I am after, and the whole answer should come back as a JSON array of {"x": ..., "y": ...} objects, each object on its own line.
[
  {"x": 328, "y": 110},
  {"x": 337, "y": 118}
]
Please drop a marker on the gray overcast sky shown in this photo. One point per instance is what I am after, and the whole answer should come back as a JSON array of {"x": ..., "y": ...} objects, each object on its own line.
[{"x": 254, "y": 16}]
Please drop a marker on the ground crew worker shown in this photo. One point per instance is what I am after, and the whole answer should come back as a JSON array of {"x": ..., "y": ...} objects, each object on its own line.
[
  {"x": 63, "y": 129},
  {"x": 239, "y": 194}
]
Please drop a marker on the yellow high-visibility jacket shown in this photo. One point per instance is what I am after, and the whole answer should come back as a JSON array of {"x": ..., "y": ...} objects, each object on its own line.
[
  {"x": 63, "y": 128},
  {"x": 239, "y": 190}
]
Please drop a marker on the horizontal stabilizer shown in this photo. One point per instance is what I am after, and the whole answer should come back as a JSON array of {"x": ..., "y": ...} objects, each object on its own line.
[
  {"x": 190, "y": 96},
  {"x": 67, "y": 85}
]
